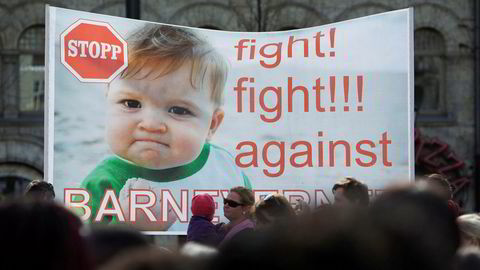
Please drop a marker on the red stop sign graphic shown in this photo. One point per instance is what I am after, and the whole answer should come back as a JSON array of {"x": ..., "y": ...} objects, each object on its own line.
[{"x": 93, "y": 51}]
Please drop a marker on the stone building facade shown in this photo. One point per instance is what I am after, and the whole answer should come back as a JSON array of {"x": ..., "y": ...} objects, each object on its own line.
[{"x": 444, "y": 66}]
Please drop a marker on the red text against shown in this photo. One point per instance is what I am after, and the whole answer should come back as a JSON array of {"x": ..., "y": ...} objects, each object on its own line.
[{"x": 324, "y": 94}]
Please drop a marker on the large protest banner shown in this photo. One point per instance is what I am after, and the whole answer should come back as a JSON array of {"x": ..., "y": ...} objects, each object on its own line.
[{"x": 129, "y": 128}]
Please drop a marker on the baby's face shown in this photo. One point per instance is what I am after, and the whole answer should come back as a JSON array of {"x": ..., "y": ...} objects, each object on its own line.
[{"x": 159, "y": 123}]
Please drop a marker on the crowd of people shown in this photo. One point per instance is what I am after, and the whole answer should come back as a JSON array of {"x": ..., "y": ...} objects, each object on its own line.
[{"x": 415, "y": 226}]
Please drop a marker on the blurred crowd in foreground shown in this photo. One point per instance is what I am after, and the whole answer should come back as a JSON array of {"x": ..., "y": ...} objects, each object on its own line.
[{"x": 415, "y": 226}]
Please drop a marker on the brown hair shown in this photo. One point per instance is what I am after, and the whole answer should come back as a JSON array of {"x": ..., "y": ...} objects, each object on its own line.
[
  {"x": 39, "y": 188},
  {"x": 274, "y": 205},
  {"x": 246, "y": 195},
  {"x": 440, "y": 182},
  {"x": 167, "y": 48},
  {"x": 354, "y": 190}
]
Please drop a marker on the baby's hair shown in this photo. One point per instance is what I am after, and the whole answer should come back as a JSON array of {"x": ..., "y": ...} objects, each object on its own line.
[{"x": 167, "y": 48}]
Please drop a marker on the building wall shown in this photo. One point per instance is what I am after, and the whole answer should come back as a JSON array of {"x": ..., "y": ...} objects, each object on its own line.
[{"x": 445, "y": 77}]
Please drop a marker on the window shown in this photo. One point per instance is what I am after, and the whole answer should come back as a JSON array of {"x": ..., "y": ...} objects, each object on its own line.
[
  {"x": 429, "y": 72},
  {"x": 32, "y": 69}
]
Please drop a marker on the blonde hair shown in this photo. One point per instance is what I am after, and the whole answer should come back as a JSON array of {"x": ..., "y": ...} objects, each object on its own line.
[
  {"x": 246, "y": 198},
  {"x": 469, "y": 225},
  {"x": 167, "y": 48}
]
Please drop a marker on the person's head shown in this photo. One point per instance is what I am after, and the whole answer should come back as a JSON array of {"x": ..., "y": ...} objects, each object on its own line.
[
  {"x": 203, "y": 205},
  {"x": 328, "y": 238},
  {"x": 469, "y": 225},
  {"x": 49, "y": 231},
  {"x": 467, "y": 258},
  {"x": 106, "y": 242},
  {"x": 164, "y": 107},
  {"x": 238, "y": 204},
  {"x": 350, "y": 191},
  {"x": 437, "y": 184},
  {"x": 147, "y": 258},
  {"x": 421, "y": 228},
  {"x": 39, "y": 189},
  {"x": 272, "y": 209}
]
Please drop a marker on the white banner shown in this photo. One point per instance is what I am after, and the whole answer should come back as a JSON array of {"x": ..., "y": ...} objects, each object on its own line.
[{"x": 301, "y": 109}]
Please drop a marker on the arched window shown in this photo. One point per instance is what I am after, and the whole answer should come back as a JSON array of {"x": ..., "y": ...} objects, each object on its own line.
[
  {"x": 32, "y": 68},
  {"x": 429, "y": 72}
]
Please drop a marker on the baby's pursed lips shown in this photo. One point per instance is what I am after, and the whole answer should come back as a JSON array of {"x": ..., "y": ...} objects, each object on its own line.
[{"x": 150, "y": 140}]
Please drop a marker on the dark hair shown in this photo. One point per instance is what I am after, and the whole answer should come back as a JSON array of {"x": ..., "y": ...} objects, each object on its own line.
[
  {"x": 147, "y": 258},
  {"x": 422, "y": 229},
  {"x": 275, "y": 206},
  {"x": 354, "y": 190},
  {"x": 328, "y": 238},
  {"x": 50, "y": 231},
  {"x": 105, "y": 242},
  {"x": 39, "y": 189},
  {"x": 467, "y": 258}
]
